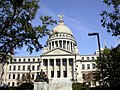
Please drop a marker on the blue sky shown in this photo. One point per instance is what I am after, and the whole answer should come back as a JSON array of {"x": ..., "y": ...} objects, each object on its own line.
[{"x": 82, "y": 17}]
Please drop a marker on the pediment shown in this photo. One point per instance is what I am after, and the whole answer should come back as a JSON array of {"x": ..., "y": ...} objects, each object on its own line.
[{"x": 58, "y": 51}]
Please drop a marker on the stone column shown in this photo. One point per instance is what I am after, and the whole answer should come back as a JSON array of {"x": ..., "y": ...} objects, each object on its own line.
[
  {"x": 55, "y": 71},
  {"x": 48, "y": 69},
  {"x": 74, "y": 71},
  {"x": 51, "y": 45},
  {"x": 73, "y": 47},
  {"x": 61, "y": 69},
  {"x": 58, "y": 43},
  {"x": 70, "y": 46},
  {"x": 66, "y": 45},
  {"x": 41, "y": 65}
]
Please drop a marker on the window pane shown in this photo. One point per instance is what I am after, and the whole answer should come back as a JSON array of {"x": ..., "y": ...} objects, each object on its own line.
[
  {"x": 52, "y": 74},
  {"x": 88, "y": 66},
  {"x": 65, "y": 73},
  {"x": 87, "y": 58},
  {"x": 83, "y": 66},
  {"x": 58, "y": 74},
  {"x": 58, "y": 62}
]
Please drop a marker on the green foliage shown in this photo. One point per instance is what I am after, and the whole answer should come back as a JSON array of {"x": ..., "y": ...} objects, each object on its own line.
[
  {"x": 110, "y": 63},
  {"x": 79, "y": 86},
  {"x": 16, "y": 29},
  {"x": 111, "y": 20},
  {"x": 88, "y": 77},
  {"x": 26, "y": 78},
  {"x": 26, "y": 86}
]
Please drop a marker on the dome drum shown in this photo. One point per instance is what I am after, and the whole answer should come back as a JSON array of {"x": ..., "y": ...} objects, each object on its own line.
[{"x": 61, "y": 37}]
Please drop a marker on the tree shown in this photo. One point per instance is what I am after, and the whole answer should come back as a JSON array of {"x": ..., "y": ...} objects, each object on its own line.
[
  {"x": 88, "y": 77},
  {"x": 111, "y": 67},
  {"x": 16, "y": 29},
  {"x": 111, "y": 20},
  {"x": 26, "y": 78}
]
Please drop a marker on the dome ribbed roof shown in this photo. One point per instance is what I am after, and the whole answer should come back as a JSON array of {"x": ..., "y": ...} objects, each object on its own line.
[{"x": 62, "y": 28}]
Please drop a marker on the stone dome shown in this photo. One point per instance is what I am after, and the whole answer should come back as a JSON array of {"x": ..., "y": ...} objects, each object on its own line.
[{"x": 62, "y": 28}]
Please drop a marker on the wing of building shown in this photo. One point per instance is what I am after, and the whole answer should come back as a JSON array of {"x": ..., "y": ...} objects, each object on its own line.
[{"x": 60, "y": 60}]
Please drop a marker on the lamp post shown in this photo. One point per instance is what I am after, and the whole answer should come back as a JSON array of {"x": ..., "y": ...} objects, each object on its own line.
[{"x": 98, "y": 39}]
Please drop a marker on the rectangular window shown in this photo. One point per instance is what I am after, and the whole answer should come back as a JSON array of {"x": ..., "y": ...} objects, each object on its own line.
[
  {"x": 64, "y": 61},
  {"x": 13, "y": 76},
  {"x": 14, "y": 60},
  {"x": 18, "y": 67},
  {"x": 51, "y": 62},
  {"x": 9, "y": 76},
  {"x": 28, "y": 60},
  {"x": 14, "y": 68},
  {"x": 45, "y": 62},
  {"x": 65, "y": 73},
  {"x": 19, "y": 60},
  {"x": 38, "y": 67},
  {"x": 92, "y": 58},
  {"x": 9, "y": 67},
  {"x": 58, "y": 62},
  {"x": 23, "y": 67},
  {"x": 82, "y": 58},
  {"x": 33, "y": 76},
  {"x": 87, "y": 58},
  {"x": 13, "y": 84},
  {"x": 52, "y": 74},
  {"x": 18, "y": 76},
  {"x": 71, "y": 61},
  {"x": 24, "y": 60},
  {"x": 33, "y": 59},
  {"x": 88, "y": 66},
  {"x": 33, "y": 67},
  {"x": 28, "y": 68},
  {"x": 83, "y": 66},
  {"x": 58, "y": 74},
  {"x": 93, "y": 66}
]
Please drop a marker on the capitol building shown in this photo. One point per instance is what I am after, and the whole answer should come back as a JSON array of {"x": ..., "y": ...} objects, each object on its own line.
[{"x": 60, "y": 60}]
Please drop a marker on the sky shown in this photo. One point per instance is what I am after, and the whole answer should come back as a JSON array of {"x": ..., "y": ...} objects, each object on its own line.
[{"x": 82, "y": 17}]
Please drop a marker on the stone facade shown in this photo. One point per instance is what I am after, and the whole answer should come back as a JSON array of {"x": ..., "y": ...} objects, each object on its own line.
[{"x": 60, "y": 60}]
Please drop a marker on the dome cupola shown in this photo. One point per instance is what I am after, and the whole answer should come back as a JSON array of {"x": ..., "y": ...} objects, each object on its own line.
[
  {"x": 61, "y": 37},
  {"x": 61, "y": 27}
]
